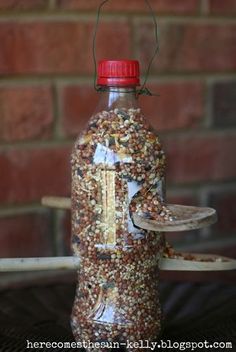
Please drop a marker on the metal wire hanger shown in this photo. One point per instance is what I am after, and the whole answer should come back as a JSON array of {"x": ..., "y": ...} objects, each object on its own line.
[{"x": 143, "y": 90}]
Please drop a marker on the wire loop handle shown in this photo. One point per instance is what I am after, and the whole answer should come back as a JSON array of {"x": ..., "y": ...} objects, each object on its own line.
[{"x": 143, "y": 90}]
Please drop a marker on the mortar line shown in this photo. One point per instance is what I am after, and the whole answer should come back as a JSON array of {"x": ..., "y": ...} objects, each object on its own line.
[
  {"x": 203, "y": 197},
  {"x": 209, "y": 185},
  {"x": 59, "y": 240},
  {"x": 49, "y": 16},
  {"x": 57, "y": 112},
  {"x": 56, "y": 238},
  {"x": 84, "y": 16},
  {"x": 52, "y": 4},
  {"x": 220, "y": 187},
  {"x": 162, "y": 77},
  {"x": 34, "y": 145},
  {"x": 52, "y": 231},
  {"x": 188, "y": 19},
  {"x": 197, "y": 132},
  {"x": 209, "y": 120},
  {"x": 204, "y": 7},
  {"x": 212, "y": 244}
]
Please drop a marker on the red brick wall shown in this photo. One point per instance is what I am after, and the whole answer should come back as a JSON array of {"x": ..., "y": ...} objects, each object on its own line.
[{"x": 46, "y": 95}]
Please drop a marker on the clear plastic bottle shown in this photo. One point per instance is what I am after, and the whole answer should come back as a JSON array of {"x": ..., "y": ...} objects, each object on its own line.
[{"x": 117, "y": 168}]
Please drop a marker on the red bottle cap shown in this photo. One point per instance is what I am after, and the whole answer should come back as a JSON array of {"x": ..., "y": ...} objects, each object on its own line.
[{"x": 119, "y": 73}]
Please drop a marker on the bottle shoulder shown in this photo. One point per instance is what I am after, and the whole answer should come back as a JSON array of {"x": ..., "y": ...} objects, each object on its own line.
[
  {"x": 120, "y": 128},
  {"x": 116, "y": 137}
]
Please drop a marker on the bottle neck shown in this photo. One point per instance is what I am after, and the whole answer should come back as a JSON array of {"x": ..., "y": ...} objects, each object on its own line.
[{"x": 118, "y": 97}]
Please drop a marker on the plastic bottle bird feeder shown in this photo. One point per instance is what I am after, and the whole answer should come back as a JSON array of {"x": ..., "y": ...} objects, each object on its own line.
[{"x": 119, "y": 216}]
